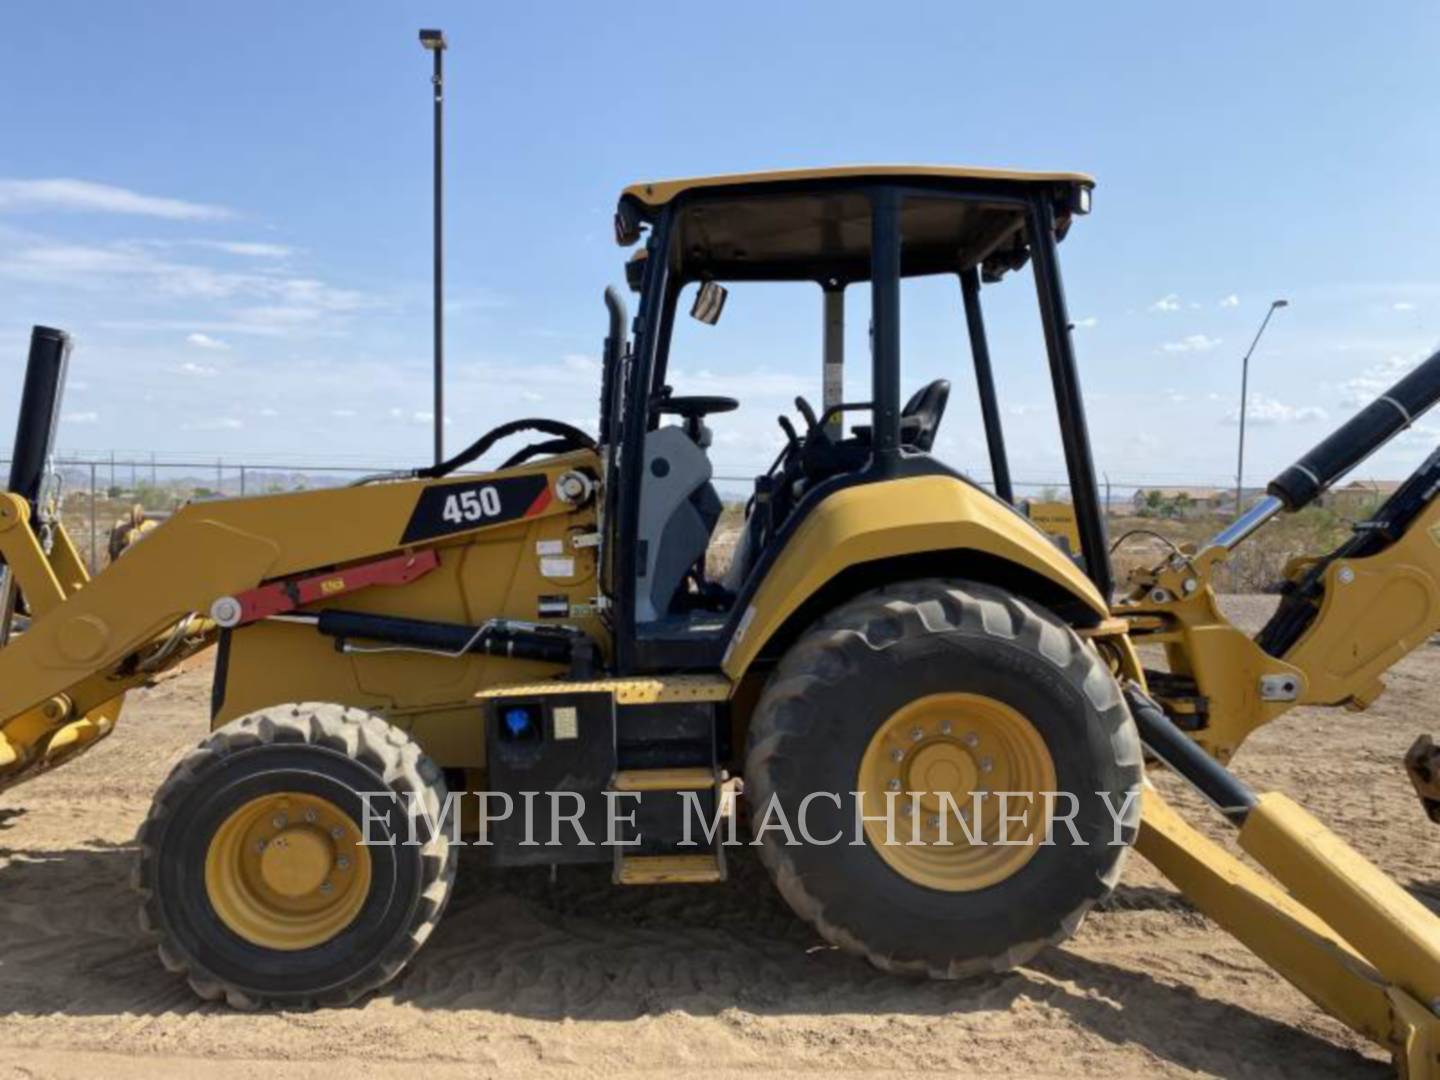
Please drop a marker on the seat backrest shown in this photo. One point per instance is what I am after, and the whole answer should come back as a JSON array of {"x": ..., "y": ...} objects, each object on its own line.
[{"x": 674, "y": 530}]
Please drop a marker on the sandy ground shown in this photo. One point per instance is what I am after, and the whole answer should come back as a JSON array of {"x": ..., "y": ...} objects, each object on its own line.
[{"x": 580, "y": 978}]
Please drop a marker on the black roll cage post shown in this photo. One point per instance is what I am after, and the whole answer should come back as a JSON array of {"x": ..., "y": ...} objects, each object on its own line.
[
  {"x": 1069, "y": 403},
  {"x": 985, "y": 384},
  {"x": 654, "y": 318}
]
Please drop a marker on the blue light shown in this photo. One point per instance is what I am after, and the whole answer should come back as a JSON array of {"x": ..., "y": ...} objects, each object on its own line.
[{"x": 517, "y": 721}]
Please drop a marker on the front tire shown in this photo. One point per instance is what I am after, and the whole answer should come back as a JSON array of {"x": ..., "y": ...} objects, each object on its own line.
[
  {"x": 952, "y": 685},
  {"x": 253, "y": 878}
]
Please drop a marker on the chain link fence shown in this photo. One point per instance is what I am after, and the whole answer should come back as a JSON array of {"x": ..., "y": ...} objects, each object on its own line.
[{"x": 96, "y": 492}]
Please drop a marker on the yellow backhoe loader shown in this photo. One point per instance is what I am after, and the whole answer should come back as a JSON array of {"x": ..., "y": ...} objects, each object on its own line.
[{"x": 893, "y": 653}]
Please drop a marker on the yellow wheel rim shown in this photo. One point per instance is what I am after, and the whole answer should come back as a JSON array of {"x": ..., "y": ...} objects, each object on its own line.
[
  {"x": 971, "y": 747},
  {"x": 287, "y": 871}
]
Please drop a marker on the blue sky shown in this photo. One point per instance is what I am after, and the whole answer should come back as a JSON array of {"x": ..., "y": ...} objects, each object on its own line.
[{"x": 228, "y": 205}]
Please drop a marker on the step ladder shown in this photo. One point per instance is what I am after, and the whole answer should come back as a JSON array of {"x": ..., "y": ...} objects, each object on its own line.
[{"x": 660, "y": 801}]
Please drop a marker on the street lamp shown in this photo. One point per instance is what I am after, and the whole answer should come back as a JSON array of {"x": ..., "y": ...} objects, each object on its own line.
[
  {"x": 1244, "y": 395},
  {"x": 434, "y": 41}
]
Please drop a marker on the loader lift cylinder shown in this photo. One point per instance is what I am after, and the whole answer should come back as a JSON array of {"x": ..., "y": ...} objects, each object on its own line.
[{"x": 39, "y": 412}]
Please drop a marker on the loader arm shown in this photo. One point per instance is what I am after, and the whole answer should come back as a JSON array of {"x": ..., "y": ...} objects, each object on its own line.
[{"x": 90, "y": 640}]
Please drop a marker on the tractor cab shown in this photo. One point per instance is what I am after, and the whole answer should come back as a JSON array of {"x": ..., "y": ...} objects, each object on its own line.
[{"x": 677, "y": 602}]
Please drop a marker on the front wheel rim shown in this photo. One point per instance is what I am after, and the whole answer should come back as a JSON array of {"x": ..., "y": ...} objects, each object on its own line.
[
  {"x": 287, "y": 871},
  {"x": 971, "y": 747}
]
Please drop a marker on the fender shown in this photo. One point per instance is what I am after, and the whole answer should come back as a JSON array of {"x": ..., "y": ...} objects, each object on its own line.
[{"x": 893, "y": 519}]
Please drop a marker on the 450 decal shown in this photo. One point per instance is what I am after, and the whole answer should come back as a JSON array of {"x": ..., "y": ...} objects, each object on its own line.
[
  {"x": 443, "y": 509},
  {"x": 472, "y": 504}
]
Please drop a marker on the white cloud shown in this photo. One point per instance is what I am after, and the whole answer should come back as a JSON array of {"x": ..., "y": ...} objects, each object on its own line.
[
  {"x": 1230, "y": 301},
  {"x": 342, "y": 414},
  {"x": 1402, "y": 305},
  {"x": 214, "y": 423},
  {"x": 85, "y": 195},
  {"x": 277, "y": 305},
  {"x": 417, "y": 416},
  {"x": 205, "y": 341},
  {"x": 81, "y": 417},
  {"x": 1375, "y": 380},
  {"x": 1088, "y": 322},
  {"x": 581, "y": 363},
  {"x": 1266, "y": 411},
  {"x": 203, "y": 370},
  {"x": 1191, "y": 343},
  {"x": 1168, "y": 302},
  {"x": 248, "y": 249}
]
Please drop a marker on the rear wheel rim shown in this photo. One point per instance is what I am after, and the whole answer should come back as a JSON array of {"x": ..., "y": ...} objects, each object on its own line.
[
  {"x": 287, "y": 871},
  {"x": 962, "y": 744}
]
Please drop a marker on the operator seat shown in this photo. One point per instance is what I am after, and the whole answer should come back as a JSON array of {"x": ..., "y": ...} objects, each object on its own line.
[
  {"x": 679, "y": 508},
  {"x": 819, "y": 457}
]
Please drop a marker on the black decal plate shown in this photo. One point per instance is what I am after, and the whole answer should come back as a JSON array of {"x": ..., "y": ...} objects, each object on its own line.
[{"x": 443, "y": 509}]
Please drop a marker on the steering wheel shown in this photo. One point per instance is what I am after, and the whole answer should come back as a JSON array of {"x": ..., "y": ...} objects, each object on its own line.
[{"x": 693, "y": 409}]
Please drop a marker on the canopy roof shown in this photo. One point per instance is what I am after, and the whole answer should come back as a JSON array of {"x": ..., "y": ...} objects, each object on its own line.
[
  {"x": 656, "y": 193},
  {"x": 814, "y": 224}
]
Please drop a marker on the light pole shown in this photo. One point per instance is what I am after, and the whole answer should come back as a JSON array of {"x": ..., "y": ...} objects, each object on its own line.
[
  {"x": 434, "y": 41},
  {"x": 1244, "y": 395}
]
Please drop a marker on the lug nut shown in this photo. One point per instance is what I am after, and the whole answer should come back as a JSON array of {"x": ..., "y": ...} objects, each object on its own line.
[
  {"x": 897, "y": 755},
  {"x": 945, "y": 727},
  {"x": 310, "y": 816},
  {"x": 917, "y": 734},
  {"x": 325, "y": 886},
  {"x": 986, "y": 764},
  {"x": 971, "y": 739},
  {"x": 279, "y": 821},
  {"x": 337, "y": 832},
  {"x": 893, "y": 785},
  {"x": 342, "y": 863},
  {"x": 260, "y": 845}
]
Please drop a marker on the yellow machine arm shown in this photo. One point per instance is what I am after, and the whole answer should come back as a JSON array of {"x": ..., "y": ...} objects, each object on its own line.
[{"x": 1344, "y": 933}]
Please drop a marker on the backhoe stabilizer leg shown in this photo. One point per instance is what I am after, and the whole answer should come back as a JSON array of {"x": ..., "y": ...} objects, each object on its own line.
[
  {"x": 1345, "y": 934},
  {"x": 1292, "y": 939}
]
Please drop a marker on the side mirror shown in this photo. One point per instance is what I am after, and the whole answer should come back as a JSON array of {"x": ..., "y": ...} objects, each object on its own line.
[
  {"x": 635, "y": 270},
  {"x": 709, "y": 302}
]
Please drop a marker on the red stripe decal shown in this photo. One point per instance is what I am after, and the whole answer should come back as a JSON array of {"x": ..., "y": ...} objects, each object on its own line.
[
  {"x": 541, "y": 502},
  {"x": 278, "y": 597}
]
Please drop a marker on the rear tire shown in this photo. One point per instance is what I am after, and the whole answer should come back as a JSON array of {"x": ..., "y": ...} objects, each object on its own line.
[
  {"x": 219, "y": 922},
  {"x": 816, "y": 728}
]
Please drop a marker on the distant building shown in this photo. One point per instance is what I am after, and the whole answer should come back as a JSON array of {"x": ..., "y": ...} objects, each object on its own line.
[
  {"x": 1183, "y": 501},
  {"x": 1360, "y": 495}
]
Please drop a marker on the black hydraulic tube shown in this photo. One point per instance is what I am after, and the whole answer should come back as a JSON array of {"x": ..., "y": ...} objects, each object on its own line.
[
  {"x": 39, "y": 412},
  {"x": 985, "y": 383},
  {"x": 1074, "y": 434},
  {"x": 1161, "y": 737},
  {"x": 1360, "y": 436},
  {"x": 522, "y": 643}
]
